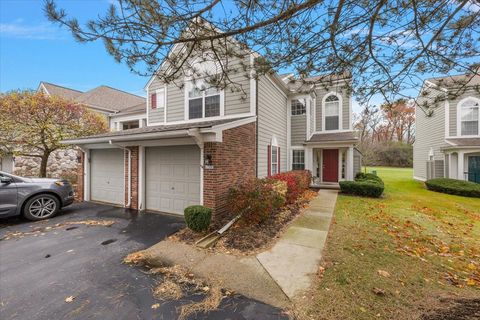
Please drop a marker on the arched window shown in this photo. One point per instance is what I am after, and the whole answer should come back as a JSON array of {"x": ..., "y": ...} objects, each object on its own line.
[
  {"x": 469, "y": 116},
  {"x": 332, "y": 112}
]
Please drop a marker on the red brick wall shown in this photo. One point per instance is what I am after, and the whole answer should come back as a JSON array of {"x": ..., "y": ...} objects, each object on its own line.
[
  {"x": 79, "y": 196},
  {"x": 233, "y": 162},
  {"x": 134, "y": 195}
]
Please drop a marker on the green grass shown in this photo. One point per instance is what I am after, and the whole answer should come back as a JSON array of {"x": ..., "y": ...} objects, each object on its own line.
[{"x": 428, "y": 242}]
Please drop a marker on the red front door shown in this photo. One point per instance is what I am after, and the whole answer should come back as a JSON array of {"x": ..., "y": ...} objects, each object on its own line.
[{"x": 330, "y": 165}]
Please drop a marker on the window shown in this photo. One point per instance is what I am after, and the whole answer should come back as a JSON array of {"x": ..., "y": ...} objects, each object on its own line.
[
  {"x": 157, "y": 99},
  {"x": 130, "y": 125},
  {"x": 274, "y": 160},
  {"x": 203, "y": 102},
  {"x": 298, "y": 107},
  {"x": 298, "y": 161},
  {"x": 332, "y": 113},
  {"x": 469, "y": 117}
]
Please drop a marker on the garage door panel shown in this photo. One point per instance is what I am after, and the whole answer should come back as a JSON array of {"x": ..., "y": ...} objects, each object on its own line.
[
  {"x": 106, "y": 176},
  {"x": 173, "y": 178}
]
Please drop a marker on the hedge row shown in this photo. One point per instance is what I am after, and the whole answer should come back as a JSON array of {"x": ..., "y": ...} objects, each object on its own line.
[
  {"x": 453, "y": 186},
  {"x": 365, "y": 185}
]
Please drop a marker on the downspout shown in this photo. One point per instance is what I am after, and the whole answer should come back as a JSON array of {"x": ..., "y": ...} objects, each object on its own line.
[{"x": 129, "y": 172}]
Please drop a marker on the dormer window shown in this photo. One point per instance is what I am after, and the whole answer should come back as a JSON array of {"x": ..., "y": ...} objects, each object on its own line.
[
  {"x": 332, "y": 112},
  {"x": 469, "y": 117},
  {"x": 203, "y": 102},
  {"x": 298, "y": 107}
]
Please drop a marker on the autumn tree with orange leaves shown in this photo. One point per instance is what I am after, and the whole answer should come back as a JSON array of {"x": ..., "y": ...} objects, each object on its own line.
[{"x": 33, "y": 124}]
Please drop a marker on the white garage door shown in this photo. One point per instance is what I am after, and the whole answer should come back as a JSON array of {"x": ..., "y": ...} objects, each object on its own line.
[
  {"x": 106, "y": 176},
  {"x": 172, "y": 178}
]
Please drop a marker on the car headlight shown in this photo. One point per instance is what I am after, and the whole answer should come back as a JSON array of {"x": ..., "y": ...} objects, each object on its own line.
[{"x": 61, "y": 183}]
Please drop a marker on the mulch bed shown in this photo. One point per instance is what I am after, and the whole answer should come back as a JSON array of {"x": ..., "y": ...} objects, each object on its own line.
[
  {"x": 459, "y": 309},
  {"x": 247, "y": 240}
]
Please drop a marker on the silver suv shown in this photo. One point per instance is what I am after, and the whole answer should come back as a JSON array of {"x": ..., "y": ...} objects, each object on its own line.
[{"x": 34, "y": 198}]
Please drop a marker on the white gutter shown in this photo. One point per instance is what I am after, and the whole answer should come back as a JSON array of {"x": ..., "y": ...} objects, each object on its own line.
[
  {"x": 130, "y": 137},
  {"x": 129, "y": 172}
]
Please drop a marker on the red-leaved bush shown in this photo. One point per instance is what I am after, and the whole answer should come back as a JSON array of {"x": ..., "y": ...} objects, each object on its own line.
[
  {"x": 298, "y": 181},
  {"x": 255, "y": 199}
]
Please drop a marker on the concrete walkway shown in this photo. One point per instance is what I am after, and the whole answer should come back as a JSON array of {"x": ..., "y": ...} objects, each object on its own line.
[
  {"x": 296, "y": 256},
  {"x": 274, "y": 276}
]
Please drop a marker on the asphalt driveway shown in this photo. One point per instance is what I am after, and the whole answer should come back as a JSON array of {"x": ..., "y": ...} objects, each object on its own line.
[{"x": 43, "y": 263}]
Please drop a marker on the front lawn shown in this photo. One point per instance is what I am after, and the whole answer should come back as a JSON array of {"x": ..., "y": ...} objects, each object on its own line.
[{"x": 407, "y": 254}]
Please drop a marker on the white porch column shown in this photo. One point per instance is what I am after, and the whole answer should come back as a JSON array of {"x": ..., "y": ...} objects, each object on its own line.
[
  {"x": 86, "y": 175},
  {"x": 460, "y": 162},
  {"x": 309, "y": 159},
  {"x": 141, "y": 178},
  {"x": 349, "y": 164}
]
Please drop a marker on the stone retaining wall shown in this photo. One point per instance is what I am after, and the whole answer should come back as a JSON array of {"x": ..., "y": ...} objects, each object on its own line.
[{"x": 61, "y": 164}]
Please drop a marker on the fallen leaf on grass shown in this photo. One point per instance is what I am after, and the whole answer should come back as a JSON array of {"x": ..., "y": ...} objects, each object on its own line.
[
  {"x": 383, "y": 273},
  {"x": 69, "y": 299},
  {"x": 378, "y": 291}
]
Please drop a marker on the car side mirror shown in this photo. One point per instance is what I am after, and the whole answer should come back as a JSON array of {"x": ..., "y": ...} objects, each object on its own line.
[{"x": 6, "y": 180}]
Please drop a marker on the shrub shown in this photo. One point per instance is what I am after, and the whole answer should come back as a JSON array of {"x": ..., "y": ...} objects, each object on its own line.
[
  {"x": 256, "y": 200},
  {"x": 297, "y": 182},
  {"x": 365, "y": 185},
  {"x": 364, "y": 188},
  {"x": 198, "y": 217},
  {"x": 368, "y": 176},
  {"x": 452, "y": 186}
]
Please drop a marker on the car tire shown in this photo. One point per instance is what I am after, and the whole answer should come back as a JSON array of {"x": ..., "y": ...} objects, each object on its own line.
[{"x": 41, "y": 207}]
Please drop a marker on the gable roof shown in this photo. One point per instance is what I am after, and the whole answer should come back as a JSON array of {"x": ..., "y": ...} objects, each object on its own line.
[
  {"x": 109, "y": 98},
  {"x": 56, "y": 90},
  {"x": 103, "y": 97},
  {"x": 469, "y": 79}
]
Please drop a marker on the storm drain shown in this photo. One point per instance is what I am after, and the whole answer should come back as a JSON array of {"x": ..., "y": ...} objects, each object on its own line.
[{"x": 106, "y": 242}]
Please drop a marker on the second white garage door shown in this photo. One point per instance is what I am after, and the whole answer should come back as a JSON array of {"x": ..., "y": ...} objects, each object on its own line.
[
  {"x": 106, "y": 176},
  {"x": 172, "y": 178}
]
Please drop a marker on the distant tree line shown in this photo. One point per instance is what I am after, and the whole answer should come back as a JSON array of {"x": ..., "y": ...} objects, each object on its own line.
[{"x": 386, "y": 133}]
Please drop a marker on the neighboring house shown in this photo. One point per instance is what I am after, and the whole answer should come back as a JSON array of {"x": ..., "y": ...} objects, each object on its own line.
[
  {"x": 200, "y": 142},
  {"x": 122, "y": 110},
  {"x": 447, "y": 136}
]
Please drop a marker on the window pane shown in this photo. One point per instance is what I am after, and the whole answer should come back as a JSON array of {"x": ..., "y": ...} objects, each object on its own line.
[
  {"x": 331, "y": 98},
  {"x": 469, "y": 128},
  {"x": 331, "y": 123},
  {"x": 212, "y": 106},
  {"x": 274, "y": 159},
  {"x": 332, "y": 109},
  {"x": 194, "y": 92},
  {"x": 298, "y": 162},
  {"x": 195, "y": 108},
  {"x": 298, "y": 107}
]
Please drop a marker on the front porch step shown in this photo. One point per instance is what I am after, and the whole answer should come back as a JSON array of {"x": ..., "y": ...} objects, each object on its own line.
[{"x": 329, "y": 186}]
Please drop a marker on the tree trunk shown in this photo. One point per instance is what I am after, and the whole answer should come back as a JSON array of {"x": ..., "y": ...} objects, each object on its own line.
[{"x": 43, "y": 164}]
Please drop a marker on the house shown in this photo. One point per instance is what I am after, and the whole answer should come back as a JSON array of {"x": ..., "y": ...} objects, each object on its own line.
[
  {"x": 122, "y": 110},
  {"x": 199, "y": 141},
  {"x": 447, "y": 141}
]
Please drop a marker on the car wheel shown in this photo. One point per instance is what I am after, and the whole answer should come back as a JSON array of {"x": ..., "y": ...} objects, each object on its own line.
[{"x": 42, "y": 206}]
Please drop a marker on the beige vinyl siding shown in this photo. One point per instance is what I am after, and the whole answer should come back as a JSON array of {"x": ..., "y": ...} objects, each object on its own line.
[
  {"x": 299, "y": 129},
  {"x": 312, "y": 118},
  {"x": 453, "y": 109},
  {"x": 429, "y": 133},
  {"x": 237, "y": 101},
  {"x": 175, "y": 103},
  {"x": 345, "y": 108},
  {"x": 272, "y": 120}
]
